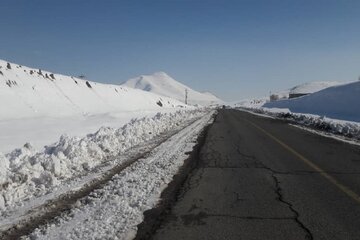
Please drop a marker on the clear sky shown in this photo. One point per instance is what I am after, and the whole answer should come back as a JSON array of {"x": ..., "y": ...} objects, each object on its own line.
[{"x": 235, "y": 49}]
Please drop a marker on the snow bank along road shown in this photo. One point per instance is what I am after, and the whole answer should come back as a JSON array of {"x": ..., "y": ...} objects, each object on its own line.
[
  {"x": 108, "y": 203},
  {"x": 259, "y": 178}
]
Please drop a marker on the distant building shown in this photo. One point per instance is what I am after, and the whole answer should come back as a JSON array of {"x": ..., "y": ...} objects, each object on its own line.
[
  {"x": 278, "y": 96},
  {"x": 274, "y": 97},
  {"x": 296, "y": 95}
]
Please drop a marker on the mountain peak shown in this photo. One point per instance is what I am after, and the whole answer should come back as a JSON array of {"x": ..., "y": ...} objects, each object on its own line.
[
  {"x": 160, "y": 73},
  {"x": 163, "y": 84}
]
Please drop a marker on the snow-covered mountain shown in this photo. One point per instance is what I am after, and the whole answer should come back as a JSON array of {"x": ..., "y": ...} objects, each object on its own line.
[
  {"x": 162, "y": 84},
  {"x": 339, "y": 102},
  {"x": 312, "y": 87},
  {"x": 28, "y": 92},
  {"x": 306, "y": 88}
]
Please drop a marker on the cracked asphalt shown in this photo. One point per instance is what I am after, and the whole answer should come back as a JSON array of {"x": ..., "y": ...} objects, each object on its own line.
[{"x": 246, "y": 185}]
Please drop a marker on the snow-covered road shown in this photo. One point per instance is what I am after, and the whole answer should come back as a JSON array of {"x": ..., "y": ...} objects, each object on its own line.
[{"x": 128, "y": 193}]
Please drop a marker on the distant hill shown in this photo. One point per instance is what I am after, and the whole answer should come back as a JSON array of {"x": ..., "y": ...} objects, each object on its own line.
[
  {"x": 312, "y": 87},
  {"x": 306, "y": 88},
  {"x": 162, "y": 84},
  {"x": 29, "y": 92}
]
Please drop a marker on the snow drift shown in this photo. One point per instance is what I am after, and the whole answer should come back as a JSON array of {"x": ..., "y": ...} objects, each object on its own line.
[
  {"x": 338, "y": 102},
  {"x": 162, "y": 84},
  {"x": 26, "y": 92}
]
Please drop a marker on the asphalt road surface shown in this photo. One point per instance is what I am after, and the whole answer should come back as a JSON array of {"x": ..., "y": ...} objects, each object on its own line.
[{"x": 260, "y": 178}]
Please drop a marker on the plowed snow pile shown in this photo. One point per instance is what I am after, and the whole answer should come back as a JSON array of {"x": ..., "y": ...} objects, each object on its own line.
[
  {"x": 114, "y": 211},
  {"x": 26, "y": 173}
]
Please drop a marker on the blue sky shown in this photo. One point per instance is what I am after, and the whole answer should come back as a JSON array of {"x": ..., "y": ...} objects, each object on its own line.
[{"x": 235, "y": 49}]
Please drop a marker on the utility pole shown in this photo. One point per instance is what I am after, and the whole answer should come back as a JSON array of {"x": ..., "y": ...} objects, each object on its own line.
[{"x": 186, "y": 95}]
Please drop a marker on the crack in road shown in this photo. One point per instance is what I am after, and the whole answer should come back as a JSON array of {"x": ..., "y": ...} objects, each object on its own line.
[
  {"x": 251, "y": 157},
  {"x": 198, "y": 218},
  {"x": 278, "y": 191},
  {"x": 211, "y": 154}
]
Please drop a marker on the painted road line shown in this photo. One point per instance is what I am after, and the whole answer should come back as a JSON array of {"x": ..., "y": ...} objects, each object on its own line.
[{"x": 323, "y": 173}]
